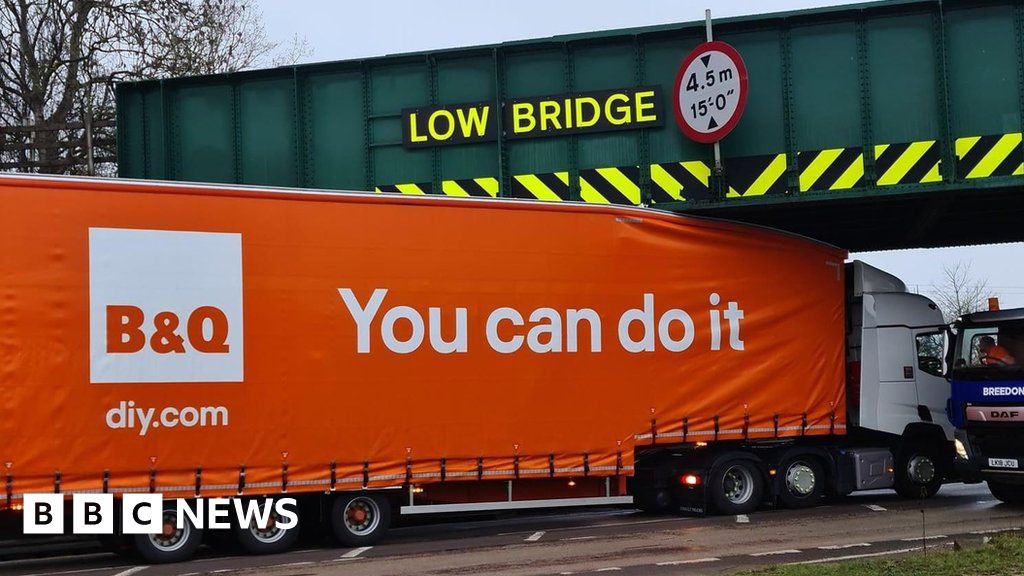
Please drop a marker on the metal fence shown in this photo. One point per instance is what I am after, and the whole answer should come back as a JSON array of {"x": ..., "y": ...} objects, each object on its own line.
[{"x": 72, "y": 147}]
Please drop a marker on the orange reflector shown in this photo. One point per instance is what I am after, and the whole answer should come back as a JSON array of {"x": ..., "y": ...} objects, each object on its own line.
[
  {"x": 572, "y": 483},
  {"x": 772, "y": 472}
]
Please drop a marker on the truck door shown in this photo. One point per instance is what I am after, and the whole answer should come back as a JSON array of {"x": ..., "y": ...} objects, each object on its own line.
[
  {"x": 933, "y": 389},
  {"x": 897, "y": 390}
]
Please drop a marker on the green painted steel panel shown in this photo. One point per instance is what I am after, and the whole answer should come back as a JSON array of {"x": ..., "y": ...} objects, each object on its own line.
[
  {"x": 606, "y": 66},
  {"x": 662, "y": 58},
  {"x": 153, "y": 146},
  {"x": 826, "y": 87},
  {"x": 762, "y": 129},
  {"x": 537, "y": 73},
  {"x": 131, "y": 125},
  {"x": 267, "y": 132},
  {"x": 203, "y": 130},
  {"x": 983, "y": 84},
  {"x": 393, "y": 88},
  {"x": 334, "y": 124},
  {"x": 467, "y": 80},
  {"x": 902, "y": 74}
]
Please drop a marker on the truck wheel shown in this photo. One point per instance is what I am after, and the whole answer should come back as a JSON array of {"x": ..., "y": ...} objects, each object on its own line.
[
  {"x": 917, "y": 475},
  {"x": 173, "y": 544},
  {"x": 360, "y": 519},
  {"x": 1008, "y": 493},
  {"x": 736, "y": 486},
  {"x": 269, "y": 539},
  {"x": 803, "y": 482}
]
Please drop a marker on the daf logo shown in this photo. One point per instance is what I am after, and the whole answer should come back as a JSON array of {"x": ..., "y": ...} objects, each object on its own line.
[{"x": 1004, "y": 414}]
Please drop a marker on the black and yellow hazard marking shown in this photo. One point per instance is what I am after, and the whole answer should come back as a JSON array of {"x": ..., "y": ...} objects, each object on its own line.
[
  {"x": 615, "y": 185},
  {"x": 412, "y": 189},
  {"x": 553, "y": 186},
  {"x": 756, "y": 175},
  {"x": 477, "y": 187},
  {"x": 680, "y": 181},
  {"x": 907, "y": 163},
  {"x": 831, "y": 169},
  {"x": 988, "y": 156}
]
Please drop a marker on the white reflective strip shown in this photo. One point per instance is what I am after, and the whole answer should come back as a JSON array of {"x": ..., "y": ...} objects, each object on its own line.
[{"x": 516, "y": 505}]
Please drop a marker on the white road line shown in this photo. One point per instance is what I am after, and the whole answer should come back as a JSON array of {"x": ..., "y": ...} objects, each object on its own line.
[
  {"x": 290, "y": 564},
  {"x": 919, "y": 538},
  {"x": 844, "y": 546},
  {"x": 580, "y": 538},
  {"x": 130, "y": 571},
  {"x": 80, "y": 571},
  {"x": 534, "y": 537},
  {"x": 855, "y": 556},
  {"x": 776, "y": 553},
  {"x": 355, "y": 552},
  {"x": 595, "y": 526},
  {"x": 742, "y": 519},
  {"x": 875, "y": 507},
  {"x": 994, "y": 531},
  {"x": 609, "y": 569},
  {"x": 695, "y": 561}
]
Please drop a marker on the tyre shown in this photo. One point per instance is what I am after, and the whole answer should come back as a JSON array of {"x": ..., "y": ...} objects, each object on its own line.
[
  {"x": 265, "y": 539},
  {"x": 360, "y": 519},
  {"x": 173, "y": 544},
  {"x": 736, "y": 486},
  {"x": 917, "y": 474},
  {"x": 803, "y": 481},
  {"x": 1008, "y": 493}
]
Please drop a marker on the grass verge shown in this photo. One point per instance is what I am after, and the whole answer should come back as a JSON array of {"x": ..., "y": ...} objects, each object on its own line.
[{"x": 1003, "y": 556}]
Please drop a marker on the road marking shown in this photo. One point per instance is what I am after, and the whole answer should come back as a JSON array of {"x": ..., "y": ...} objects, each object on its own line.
[
  {"x": 742, "y": 519},
  {"x": 130, "y": 571},
  {"x": 855, "y": 556},
  {"x": 608, "y": 525},
  {"x": 776, "y": 552},
  {"x": 580, "y": 538},
  {"x": 355, "y": 552},
  {"x": 933, "y": 537},
  {"x": 609, "y": 569},
  {"x": 875, "y": 507},
  {"x": 290, "y": 565},
  {"x": 994, "y": 531},
  {"x": 843, "y": 546},
  {"x": 983, "y": 501},
  {"x": 80, "y": 571},
  {"x": 534, "y": 537},
  {"x": 696, "y": 561}
]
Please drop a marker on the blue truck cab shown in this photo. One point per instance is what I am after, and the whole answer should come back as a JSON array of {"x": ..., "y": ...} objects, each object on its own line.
[{"x": 985, "y": 366}]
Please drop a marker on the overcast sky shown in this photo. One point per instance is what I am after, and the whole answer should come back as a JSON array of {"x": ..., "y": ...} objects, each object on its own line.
[{"x": 343, "y": 29}]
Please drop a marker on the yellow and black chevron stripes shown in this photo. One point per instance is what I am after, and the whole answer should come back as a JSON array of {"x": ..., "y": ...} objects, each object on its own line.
[
  {"x": 616, "y": 185},
  {"x": 479, "y": 187},
  {"x": 680, "y": 181},
  {"x": 548, "y": 186},
  {"x": 756, "y": 175},
  {"x": 831, "y": 169},
  {"x": 987, "y": 156},
  {"x": 414, "y": 189},
  {"x": 907, "y": 163}
]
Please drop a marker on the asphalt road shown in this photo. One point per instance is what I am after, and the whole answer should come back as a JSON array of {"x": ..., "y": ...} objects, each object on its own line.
[{"x": 609, "y": 540}]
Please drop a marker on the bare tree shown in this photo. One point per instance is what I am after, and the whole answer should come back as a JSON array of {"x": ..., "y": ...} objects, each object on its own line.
[
  {"x": 958, "y": 293},
  {"x": 59, "y": 58}
]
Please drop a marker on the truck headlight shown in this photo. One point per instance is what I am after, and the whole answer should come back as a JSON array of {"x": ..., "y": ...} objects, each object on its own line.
[{"x": 961, "y": 450}]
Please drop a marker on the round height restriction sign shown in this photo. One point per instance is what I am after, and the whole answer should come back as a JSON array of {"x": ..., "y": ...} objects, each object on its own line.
[{"x": 710, "y": 92}]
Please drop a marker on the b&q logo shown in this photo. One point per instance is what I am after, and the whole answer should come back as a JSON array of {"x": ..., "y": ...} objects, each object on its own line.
[
  {"x": 165, "y": 306},
  {"x": 125, "y": 335}
]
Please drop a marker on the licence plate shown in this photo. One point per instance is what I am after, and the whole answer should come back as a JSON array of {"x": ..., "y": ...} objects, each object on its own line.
[{"x": 1003, "y": 463}]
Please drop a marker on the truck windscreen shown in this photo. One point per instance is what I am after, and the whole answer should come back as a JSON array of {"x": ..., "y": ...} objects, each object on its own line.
[{"x": 990, "y": 351}]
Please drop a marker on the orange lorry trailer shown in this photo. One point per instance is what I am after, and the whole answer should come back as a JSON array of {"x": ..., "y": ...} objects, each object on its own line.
[{"x": 386, "y": 355}]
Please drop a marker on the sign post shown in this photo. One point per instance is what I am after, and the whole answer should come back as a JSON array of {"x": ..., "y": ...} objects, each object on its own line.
[{"x": 710, "y": 92}]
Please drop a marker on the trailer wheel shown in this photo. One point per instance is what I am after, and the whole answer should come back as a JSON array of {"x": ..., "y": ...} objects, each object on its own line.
[
  {"x": 268, "y": 539},
  {"x": 173, "y": 544},
  {"x": 1008, "y": 493},
  {"x": 917, "y": 474},
  {"x": 803, "y": 482},
  {"x": 736, "y": 486},
  {"x": 360, "y": 519}
]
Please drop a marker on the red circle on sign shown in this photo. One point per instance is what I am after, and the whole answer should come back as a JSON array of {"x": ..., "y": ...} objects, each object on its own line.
[{"x": 741, "y": 69}]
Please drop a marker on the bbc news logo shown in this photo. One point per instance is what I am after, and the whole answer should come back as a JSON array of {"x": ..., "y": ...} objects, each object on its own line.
[
  {"x": 147, "y": 513},
  {"x": 164, "y": 306}
]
